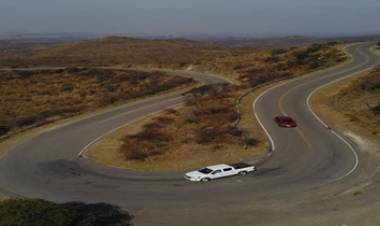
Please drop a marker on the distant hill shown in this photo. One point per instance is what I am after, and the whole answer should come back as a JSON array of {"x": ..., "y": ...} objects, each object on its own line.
[
  {"x": 290, "y": 41},
  {"x": 122, "y": 51},
  {"x": 282, "y": 42},
  {"x": 154, "y": 53}
]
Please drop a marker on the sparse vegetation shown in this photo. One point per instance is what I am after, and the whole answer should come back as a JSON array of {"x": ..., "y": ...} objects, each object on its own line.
[
  {"x": 280, "y": 64},
  {"x": 37, "y": 212},
  {"x": 30, "y": 98},
  {"x": 244, "y": 63},
  {"x": 361, "y": 101},
  {"x": 204, "y": 126},
  {"x": 206, "y": 119},
  {"x": 111, "y": 51}
]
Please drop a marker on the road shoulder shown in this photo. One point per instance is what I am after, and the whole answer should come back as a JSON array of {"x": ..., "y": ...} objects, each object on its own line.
[{"x": 322, "y": 102}]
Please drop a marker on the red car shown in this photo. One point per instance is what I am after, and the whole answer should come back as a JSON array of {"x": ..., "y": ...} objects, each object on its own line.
[{"x": 285, "y": 121}]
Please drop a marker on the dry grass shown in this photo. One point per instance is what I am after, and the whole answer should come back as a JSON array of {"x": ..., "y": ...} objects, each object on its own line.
[
  {"x": 360, "y": 101},
  {"x": 203, "y": 132},
  {"x": 351, "y": 104},
  {"x": 202, "y": 128},
  {"x": 112, "y": 51},
  {"x": 180, "y": 156},
  {"x": 199, "y": 133},
  {"x": 32, "y": 98},
  {"x": 247, "y": 64}
]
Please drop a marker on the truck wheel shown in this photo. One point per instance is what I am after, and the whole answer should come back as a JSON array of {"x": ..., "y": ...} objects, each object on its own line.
[
  {"x": 243, "y": 173},
  {"x": 205, "y": 179}
]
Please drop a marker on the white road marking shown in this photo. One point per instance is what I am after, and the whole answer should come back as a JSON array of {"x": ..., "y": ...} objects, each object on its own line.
[
  {"x": 273, "y": 147},
  {"x": 314, "y": 114},
  {"x": 355, "y": 154}
]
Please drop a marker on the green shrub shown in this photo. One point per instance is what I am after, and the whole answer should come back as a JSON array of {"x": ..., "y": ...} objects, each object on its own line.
[
  {"x": 98, "y": 214},
  {"x": 32, "y": 212},
  {"x": 38, "y": 212}
]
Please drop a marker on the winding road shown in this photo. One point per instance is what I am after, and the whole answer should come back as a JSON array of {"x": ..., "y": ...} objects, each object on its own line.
[{"x": 306, "y": 181}]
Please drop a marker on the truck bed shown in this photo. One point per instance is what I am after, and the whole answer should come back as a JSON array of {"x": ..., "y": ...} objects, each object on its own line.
[{"x": 240, "y": 165}]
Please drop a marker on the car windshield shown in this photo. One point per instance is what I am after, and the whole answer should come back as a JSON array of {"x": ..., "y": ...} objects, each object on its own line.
[
  {"x": 287, "y": 120},
  {"x": 205, "y": 171}
]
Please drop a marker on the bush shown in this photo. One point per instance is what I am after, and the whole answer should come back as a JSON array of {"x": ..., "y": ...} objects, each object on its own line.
[
  {"x": 4, "y": 129},
  {"x": 149, "y": 142},
  {"x": 98, "y": 214},
  {"x": 373, "y": 83},
  {"x": 206, "y": 135},
  {"x": 38, "y": 212},
  {"x": 278, "y": 51},
  {"x": 67, "y": 88},
  {"x": 26, "y": 121},
  {"x": 141, "y": 150},
  {"x": 376, "y": 109},
  {"x": 192, "y": 118},
  {"x": 260, "y": 76},
  {"x": 236, "y": 132},
  {"x": 151, "y": 135},
  {"x": 32, "y": 212},
  {"x": 252, "y": 142},
  {"x": 301, "y": 56},
  {"x": 212, "y": 110},
  {"x": 208, "y": 91},
  {"x": 314, "y": 48},
  {"x": 211, "y": 134}
]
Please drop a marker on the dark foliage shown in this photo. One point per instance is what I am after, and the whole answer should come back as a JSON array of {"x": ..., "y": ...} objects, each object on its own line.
[
  {"x": 215, "y": 91},
  {"x": 373, "y": 83},
  {"x": 98, "y": 214},
  {"x": 37, "y": 212},
  {"x": 4, "y": 129},
  {"x": 149, "y": 142},
  {"x": 376, "y": 109},
  {"x": 33, "y": 212}
]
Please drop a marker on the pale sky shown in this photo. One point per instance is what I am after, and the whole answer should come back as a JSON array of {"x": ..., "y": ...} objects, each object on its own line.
[{"x": 191, "y": 17}]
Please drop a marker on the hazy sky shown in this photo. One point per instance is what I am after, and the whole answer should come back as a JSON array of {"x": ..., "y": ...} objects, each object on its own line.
[{"x": 187, "y": 17}]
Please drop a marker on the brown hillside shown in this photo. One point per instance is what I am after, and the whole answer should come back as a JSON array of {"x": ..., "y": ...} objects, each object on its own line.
[
  {"x": 116, "y": 51},
  {"x": 361, "y": 101},
  {"x": 30, "y": 98}
]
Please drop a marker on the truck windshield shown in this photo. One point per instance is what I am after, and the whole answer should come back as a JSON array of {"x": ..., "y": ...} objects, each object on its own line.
[{"x": 205, "y": 171}]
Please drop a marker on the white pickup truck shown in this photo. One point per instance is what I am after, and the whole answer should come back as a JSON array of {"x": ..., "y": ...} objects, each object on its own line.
[{"x": 219, "y": 171}]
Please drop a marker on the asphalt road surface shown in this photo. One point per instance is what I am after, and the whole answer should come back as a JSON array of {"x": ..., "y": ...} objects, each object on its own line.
[{"x": 313, "y": 177}]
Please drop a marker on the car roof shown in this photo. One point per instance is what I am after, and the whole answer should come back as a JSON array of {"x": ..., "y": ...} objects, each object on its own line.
[
  {"x": 283, "y": 117},
  {"x": 287, "y": 118},
  {"x": 219, "y": 166}
]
